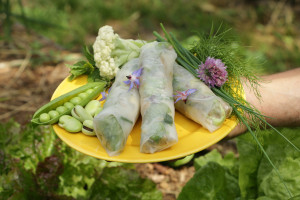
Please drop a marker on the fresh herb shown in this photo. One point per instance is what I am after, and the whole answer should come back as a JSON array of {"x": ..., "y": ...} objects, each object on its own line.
[
  {"x": 213, "y": 72},
  {"x": 94, "y": 76},
  {"x": 168, "y": 119},
  {"x": 126, "y": 120},
  {"x": 89, "y": 55},
  {"x": 80, "y": 68},
  {"x": 215, "y": 46}
]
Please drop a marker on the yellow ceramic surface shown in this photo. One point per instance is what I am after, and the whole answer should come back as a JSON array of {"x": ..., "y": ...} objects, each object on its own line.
[{"x": 192, "y": 136}]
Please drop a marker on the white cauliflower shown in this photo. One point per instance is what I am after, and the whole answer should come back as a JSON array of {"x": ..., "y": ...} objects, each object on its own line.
[{"x": 111, "y": 51}]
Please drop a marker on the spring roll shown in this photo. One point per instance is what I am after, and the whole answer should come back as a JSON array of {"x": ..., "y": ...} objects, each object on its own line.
[
  {"x": 157, "y": 105},
  {"x": 202, "y": 106},
  {"x": 120, "y": 112}
]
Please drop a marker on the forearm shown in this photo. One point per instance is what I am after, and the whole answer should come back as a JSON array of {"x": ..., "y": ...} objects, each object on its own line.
[{"x": 280, "y": 100}]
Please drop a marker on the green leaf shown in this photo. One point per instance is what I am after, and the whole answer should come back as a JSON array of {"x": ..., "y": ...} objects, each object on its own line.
[
  {"x": 80, "y": 68},
  {"x": 125, "y": 184},
  {"x": 94, "y": 76},
  {"x": 248, "y": 163},
  {"x": 47, "y": 173},
  {"x": 29, "y": 145},
  {"x": 79, "y": 172},
  {"x": 229, "y": 161},
  {"x": 210, "y": 182},
  {"x": 257, "y": 177},
  {"x": 89, "y": 56},
  {"x": 168, "y": 119},
  {"x": 126, "y": 120}
]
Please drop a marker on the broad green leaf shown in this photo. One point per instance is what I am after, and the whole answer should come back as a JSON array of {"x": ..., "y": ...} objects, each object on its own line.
[
  {"x": 30, "y": 144},
  {"x": 248, "y": 164},
  {"x": 228, "y": 161},
  {"x": 257, "y": 178},
  {"x": 211, "y": 182}
]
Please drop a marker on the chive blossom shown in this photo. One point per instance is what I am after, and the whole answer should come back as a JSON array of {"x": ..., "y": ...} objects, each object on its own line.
[{"x": 213, "y": 72}]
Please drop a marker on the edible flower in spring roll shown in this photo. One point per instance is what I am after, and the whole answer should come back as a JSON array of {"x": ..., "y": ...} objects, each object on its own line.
[
  {"x": 196, "y": 101},
  {"x": 121, "y": 109}
]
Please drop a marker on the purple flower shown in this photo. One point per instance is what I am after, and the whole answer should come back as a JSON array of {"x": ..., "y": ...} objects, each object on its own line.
[
  {"x": 104, "y": 95},
  {"x": 134, "y": 79},
  {"x": 213, "y": 72},
  {"x": 183, "y": 95}
]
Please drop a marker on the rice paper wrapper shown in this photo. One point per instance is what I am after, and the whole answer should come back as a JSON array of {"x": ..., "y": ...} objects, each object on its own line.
[
  {"x": 156, "y": 93},
  {"x": 120, "y": 112},
  {"x": 202, "y": 106}
]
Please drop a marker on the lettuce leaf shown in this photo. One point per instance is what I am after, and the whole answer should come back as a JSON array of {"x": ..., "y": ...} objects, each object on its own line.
[
  {"x": 229, "y": 161},
  {"x": 210, "y": 182},
  {"x": 250, "y": 176},
  {"x": 257, "y": 178},
  {"x": 215, "y": 178}
]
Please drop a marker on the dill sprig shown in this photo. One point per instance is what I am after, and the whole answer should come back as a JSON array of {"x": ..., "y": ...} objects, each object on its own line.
[{"x": 238, "y": 71}]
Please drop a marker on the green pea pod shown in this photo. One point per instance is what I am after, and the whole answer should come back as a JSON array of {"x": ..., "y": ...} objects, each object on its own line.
[{"x": 97, "y": 88}]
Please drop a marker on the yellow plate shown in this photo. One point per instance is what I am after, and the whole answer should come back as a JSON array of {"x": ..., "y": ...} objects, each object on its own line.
[{"x": 192, "y": 136}]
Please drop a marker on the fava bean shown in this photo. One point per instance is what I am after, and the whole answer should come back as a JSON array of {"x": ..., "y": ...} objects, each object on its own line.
[
  {"x": 44, "y": 117},
  {"x": 80, "y": 113},
  {"x": 88, "y": 128},
  {"x": 70, "y": 124},
  {"x": 98, "y": 110},
  {"x": 93, "y": 107},
  {"x": 94, "y": 91}
]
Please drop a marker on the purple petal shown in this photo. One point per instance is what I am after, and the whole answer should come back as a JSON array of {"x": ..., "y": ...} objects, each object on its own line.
[
  {"x": 103, "y": 96},
  {"x": 127, "y": 82},
  {"x": 137, "y": 83},
  {"x": 212, "y": 72},
  {"x": 190, "y": 91},
  {"x": 179, "y": 98},
  {"x": 138, "y": 72},
  {"x": 131, "y": 86}
]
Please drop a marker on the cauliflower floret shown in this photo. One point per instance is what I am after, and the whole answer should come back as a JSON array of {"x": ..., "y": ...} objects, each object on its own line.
[{"x": 111, "y": 51}]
